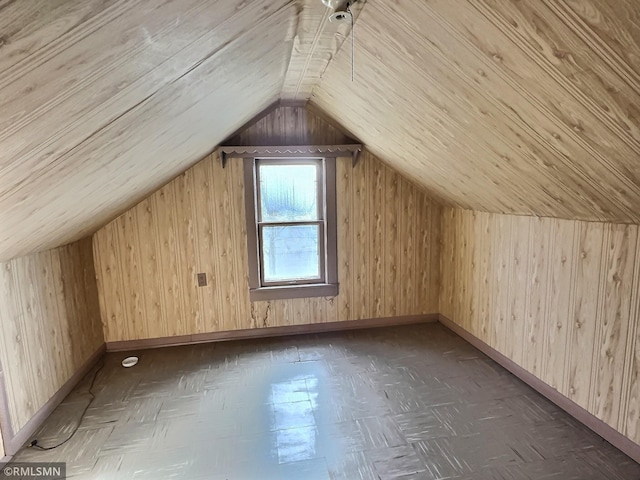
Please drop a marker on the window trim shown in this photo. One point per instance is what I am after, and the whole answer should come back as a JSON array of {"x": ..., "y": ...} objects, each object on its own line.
[
  {"x": 321, "y": 259},
  {"x": 328, "y": 288},
  {"x": 320, "y": 222}
]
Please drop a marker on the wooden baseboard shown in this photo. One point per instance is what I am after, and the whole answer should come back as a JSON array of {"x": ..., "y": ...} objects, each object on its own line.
[
  {"x": 147, "y": 343},
  {"x": 20, "y": 438},
  {"x": 5, "y": 422},
  {"x": 607, "y": 432}
]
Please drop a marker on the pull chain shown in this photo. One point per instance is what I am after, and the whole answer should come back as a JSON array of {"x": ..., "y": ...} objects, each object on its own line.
[{"x": 352, "y": 42}]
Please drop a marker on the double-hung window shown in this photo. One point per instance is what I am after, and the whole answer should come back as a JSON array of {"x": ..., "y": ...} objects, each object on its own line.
[{"x": 291, "y": 227}]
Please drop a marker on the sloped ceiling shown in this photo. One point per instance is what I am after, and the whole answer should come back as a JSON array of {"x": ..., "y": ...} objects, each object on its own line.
[
  {"x": 102, "y": 102},
  {"x": 527, "y": 106}
]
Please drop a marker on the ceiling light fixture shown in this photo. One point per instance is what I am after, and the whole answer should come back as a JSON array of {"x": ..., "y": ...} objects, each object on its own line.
[
  {"x": 342, "y": 14},
  {"x": 333, "y": 4}
]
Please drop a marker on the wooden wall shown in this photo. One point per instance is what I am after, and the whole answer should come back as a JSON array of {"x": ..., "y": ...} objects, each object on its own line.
[
  {"x": 50, "y": 324},
  {"x": 148, "y": 258},
  {"x": 558, "y": 297}
]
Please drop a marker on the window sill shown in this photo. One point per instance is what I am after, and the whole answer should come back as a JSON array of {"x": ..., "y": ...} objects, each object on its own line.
[{"x": 295, "y": 291}]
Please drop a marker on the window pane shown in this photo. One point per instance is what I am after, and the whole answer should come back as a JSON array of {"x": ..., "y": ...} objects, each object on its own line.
[
  {"x": 291, "y": 253},
  {"x": 288, "y": 192}
]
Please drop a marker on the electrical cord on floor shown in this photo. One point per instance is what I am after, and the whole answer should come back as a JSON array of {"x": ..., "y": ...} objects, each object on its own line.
[{"x": 34, "y": 442}]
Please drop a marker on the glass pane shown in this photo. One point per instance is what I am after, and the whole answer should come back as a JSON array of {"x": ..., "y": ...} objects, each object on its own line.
[
  {"x": 288, "y": 192},
  {"x": 291, "y": 253}
]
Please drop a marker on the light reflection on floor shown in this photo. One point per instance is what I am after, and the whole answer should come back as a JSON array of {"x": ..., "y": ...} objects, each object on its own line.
[{"x": 400, "y": 403}]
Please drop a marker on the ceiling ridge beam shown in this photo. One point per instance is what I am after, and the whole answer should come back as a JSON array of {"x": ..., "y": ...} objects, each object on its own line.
[
  {"x": 294, "y": 25},
  {"x": 314, "y": 45}
]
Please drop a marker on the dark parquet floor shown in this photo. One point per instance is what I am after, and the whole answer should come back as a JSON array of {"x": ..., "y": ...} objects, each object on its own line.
[{"x": 413, "y": 402}]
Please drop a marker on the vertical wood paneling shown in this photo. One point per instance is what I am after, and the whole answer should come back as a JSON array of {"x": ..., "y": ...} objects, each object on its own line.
[
  {"x": 205, "y": 246},
  {"x": 469, "y": 301},
  {"x": 110, "y": 285},
  {"x": 563, "y": 302},
  {"x": 613, "y": 327},
  {"x": 376, "y": 240},
  {"x": 391, "y": 240},
  {"x": 186, "y": 256},
  {"x": 505, "y": 226},
  {"x": 388, "y": 234},
  {"x": 223, "y": 232},
  {"x": 291, "y": 125},
  {"x": 152, "y": 297},
  {"x": 35, "y": 307},
  {"x": 241, "y": 267},
  {"x": 58, "y": 299},
  {"x": 408, "y": 266},
  {"x": 630, "y": 414},
  {"x": 518, "y": 275},
  {"x": 360, "y": 245},
  {"x": 344, "y": 175},
  {"x": 429, "y": 234},
  {"x": 132, "y": 283},
  {"x": 300, "y": 313},
  {"x": 50, "y": 324},
  {"x": 167, "y": 244},
  {"x": 447, "y": 264},
  {"x": 462, "y": 266},
  {"x": 562, "y": 261},
  {"x": 587, "y": 289},
  {"x": 535, "y": 310},
  {"x": 485, "y": 266},
  {"x": 14, "y": 345}
]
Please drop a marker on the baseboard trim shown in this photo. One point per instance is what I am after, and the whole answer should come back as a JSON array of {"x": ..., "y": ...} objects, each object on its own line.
[
  {"x": 607, "y": 432},
  {"x": 5, "y": 417},
  {"x": 143, "y": 344},
  {"x": 20, "y": 438}
]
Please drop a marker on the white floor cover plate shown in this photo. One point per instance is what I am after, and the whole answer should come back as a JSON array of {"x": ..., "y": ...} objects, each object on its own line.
[{"x": 129, "y": 362}]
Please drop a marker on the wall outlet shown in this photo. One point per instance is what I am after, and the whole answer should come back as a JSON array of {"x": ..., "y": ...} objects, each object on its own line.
[{"x": 202, "y": 279}]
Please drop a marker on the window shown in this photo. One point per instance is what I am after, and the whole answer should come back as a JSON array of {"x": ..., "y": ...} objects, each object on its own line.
[{"x": 291, "y": 227}]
